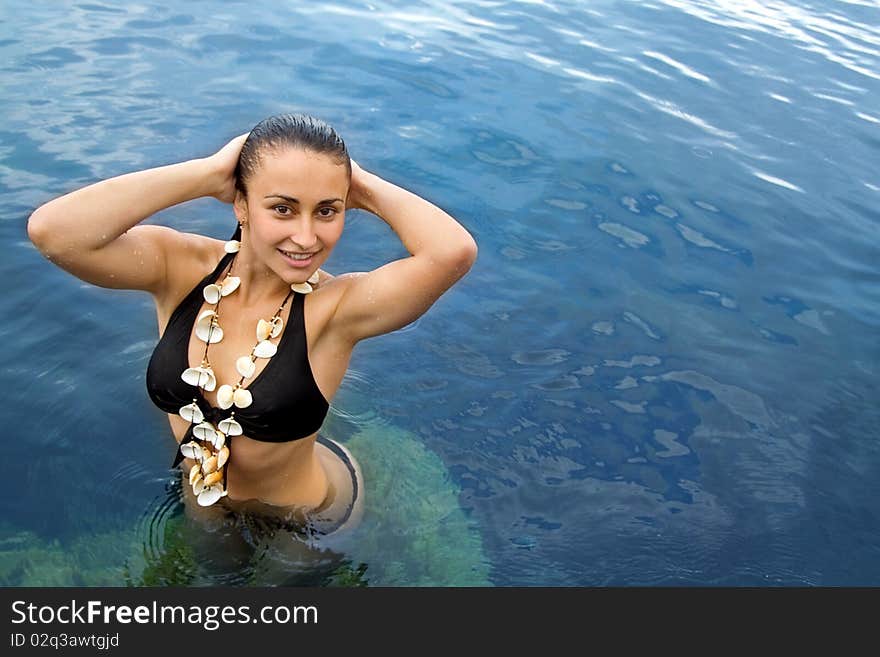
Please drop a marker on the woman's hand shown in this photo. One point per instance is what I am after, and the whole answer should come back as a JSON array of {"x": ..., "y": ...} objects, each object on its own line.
[
  {"x": 222, "y": 167},
  {"x": 359, "y": 196}
]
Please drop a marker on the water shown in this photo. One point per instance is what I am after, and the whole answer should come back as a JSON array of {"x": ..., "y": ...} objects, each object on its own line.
[{"x": 662, "y": 369}]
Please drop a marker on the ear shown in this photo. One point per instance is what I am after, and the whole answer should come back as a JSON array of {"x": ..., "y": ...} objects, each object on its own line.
[{"x": 240, "y": 205}]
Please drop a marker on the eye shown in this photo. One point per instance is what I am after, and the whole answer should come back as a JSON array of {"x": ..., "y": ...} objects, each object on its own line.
[
  {"x": 331, "y": 212},
  {"x": 278, "y": 209}
]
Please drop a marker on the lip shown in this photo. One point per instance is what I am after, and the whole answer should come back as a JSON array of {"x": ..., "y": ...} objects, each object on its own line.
[{"x": 298, "y": 263}]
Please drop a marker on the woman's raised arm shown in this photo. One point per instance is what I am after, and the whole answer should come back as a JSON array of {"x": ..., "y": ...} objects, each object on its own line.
[
  {"x": 93, "y": 233},
  {"x": 398, "y": 293}
]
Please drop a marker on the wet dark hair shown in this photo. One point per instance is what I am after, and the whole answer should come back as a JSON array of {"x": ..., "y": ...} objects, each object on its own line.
[{"x": 288, "y": 130}]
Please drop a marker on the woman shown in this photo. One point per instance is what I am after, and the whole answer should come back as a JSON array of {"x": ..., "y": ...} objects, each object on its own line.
[{"x": 255, "y": 337}]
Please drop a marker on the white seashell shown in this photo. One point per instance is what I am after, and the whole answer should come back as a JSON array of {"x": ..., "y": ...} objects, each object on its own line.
[
  {"x": 199, "y": 485},
  {"x": 224, "y": 396},
  {"x": 265, "y": 349},
  {"x": 211, "y": 293},
  {"x": 222, "y": 457},
  {"x": 210, "y": 495},
  {"x": 215, "y": 333},
  {"x": 191, "y": 450},
  {"x": 270, "y": 329},
  {"x": 209, "y": 465},
  {"x": 191, "y": 413},
  {"x": 245, "y": 366},
  {"x": 264, "y": 329},
  {"x": 314, "y": 278},
  {"x": 206, "y": 328},
  {"x": 243, "y": 398},
  {"x": 302, "y": 288},
  {"x": 219, "y": 440},
  {"x": 194, "y": 474},
  {"x": 205, "y": 431},
  {"x": 203, "y": 377},
  {"x": 230, "y": 427},
  {"x": 205, "y": 315},
  {"x": 232, "y": 246},
  {"x": 230, "y": 284}
]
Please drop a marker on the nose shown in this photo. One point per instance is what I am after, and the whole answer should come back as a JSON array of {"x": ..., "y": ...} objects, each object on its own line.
[{"x": 305, "y": 236}]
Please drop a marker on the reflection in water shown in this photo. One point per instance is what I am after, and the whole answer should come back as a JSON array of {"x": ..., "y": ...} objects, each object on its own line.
[
  {"x": 243, "y": 549},
  {"x": 413, "y": 532}
]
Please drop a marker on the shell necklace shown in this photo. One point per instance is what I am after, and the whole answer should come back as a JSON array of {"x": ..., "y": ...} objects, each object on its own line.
[{"x": 210, "y": 444}]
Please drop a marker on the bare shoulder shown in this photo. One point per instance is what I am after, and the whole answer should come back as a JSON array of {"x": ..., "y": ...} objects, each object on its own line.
[
  {"x": 332, "y": 288},
  {"x": 329, "y": 289},
  {"x": 189, "y": 258},
  {"x": 325, "y": 300}
]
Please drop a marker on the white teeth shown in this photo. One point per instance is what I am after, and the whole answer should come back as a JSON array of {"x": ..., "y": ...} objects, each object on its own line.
[{"x": 294, "y": 256}]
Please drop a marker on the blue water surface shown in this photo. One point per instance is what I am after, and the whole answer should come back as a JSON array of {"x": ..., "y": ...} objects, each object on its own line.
[{"x": 661, "y": 370}]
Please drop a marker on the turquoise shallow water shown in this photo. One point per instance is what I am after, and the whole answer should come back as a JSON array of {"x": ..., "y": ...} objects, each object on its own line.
[{"x": 663, "y": 368}]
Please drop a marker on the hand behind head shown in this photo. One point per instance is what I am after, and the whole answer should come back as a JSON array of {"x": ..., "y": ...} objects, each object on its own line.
[{"x": 222, "y": 166}]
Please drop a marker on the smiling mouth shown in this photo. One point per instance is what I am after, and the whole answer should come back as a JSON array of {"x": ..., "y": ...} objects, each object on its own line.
[{"x": 293, "y": 255}]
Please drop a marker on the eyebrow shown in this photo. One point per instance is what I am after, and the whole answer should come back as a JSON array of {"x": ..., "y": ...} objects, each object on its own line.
[{"x": 290, "y": 199}]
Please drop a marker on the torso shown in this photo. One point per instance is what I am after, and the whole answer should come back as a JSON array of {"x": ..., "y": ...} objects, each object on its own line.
[{"x": 279, "y": 474}]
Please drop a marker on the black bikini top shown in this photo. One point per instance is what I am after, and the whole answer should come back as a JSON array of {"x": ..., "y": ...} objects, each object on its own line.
[{"x": 287, "y": 404}]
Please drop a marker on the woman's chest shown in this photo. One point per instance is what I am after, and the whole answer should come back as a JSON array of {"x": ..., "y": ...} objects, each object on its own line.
[{"x": 302, "y": 353}]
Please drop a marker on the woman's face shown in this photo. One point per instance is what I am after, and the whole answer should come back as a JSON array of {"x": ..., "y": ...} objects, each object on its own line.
[{"x": 295, "y": 204}]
